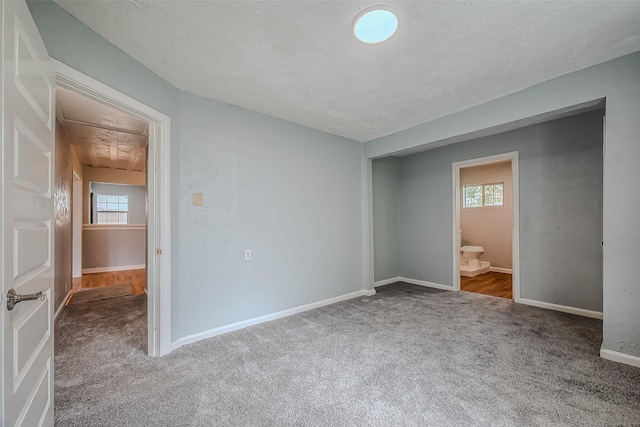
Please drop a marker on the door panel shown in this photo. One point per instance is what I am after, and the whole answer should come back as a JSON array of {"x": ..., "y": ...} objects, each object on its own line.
[
  {"x": 30, "y": 76},
  {"x": 32, "y": 160},
  {"x": 27, "y": 216}
]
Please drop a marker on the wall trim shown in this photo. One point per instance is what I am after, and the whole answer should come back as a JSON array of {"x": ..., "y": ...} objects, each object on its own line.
[
  {"x": 158, "y": 193},
  {"x": 501, "y": 270},
  {"x": 617, "y": 356},
  {"x": 110, "y": 227},
  {"x": 115, "y": 268},
  {"x": 425, "y": 283},
  {"x": 413, "y": 282},
  {"x": 563, "y": 308},
  {"x": 387, "y": 281},
  {"x": 63, "y": 303},
  {"x": 189, "y": 339}
]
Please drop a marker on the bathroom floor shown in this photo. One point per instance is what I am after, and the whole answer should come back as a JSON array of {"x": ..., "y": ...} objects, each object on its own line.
[{"x": 494, "y": 284}]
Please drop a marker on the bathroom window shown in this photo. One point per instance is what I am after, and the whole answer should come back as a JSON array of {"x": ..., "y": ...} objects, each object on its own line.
[
  {"x": 112, "y": 209},
  {"x": 494, "y": 195},
  {"x": 476, "y": 196},
  {"x": 472, "y": 196}
]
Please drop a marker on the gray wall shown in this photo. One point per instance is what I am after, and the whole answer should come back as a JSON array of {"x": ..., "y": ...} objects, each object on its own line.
[
  {"x": 137, "y": 199},
  {"x": 290, "y": 194},
  {"x": 560, "y": 170},
  {"x": 385, "y": 217},
  {"x": 618, "y": 82},
  {"x": 118, "y": 247}
]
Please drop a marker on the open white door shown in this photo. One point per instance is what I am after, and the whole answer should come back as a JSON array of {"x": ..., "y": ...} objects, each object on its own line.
[{"x": 26, "y": 217}]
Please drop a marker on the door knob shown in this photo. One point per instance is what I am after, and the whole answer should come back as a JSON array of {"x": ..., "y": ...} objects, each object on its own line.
[{"x": 13, "y": 298}]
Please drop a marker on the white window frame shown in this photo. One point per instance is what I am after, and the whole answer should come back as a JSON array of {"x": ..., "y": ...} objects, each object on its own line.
[
  {"x": 484, "y": 195},
  {"x": 118, "y": 211}
]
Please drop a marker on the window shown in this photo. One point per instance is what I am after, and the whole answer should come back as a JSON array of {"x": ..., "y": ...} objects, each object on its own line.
[
  {"x": 494, "y": 195},
  {"x": 112, "y": 209},
  {"x": 472, "y": 196},
  {"x": 476, "y": 196}
]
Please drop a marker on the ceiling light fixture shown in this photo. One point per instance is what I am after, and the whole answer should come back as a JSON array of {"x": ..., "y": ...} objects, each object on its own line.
[{"x": 375, "y": 24}]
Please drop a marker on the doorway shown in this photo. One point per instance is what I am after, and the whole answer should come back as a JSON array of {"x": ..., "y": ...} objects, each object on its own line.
[
  {"x": 107, "y": 150},
  {"x": 485, "y": 235},
  {"x": 156, "y": 241}
]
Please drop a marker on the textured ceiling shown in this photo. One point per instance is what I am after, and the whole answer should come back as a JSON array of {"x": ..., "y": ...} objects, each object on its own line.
[
  {"x": 100, "y": 135},
  {"x": 299, "y": 61}
]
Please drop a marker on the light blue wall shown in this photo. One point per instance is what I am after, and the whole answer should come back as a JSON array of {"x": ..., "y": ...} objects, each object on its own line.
[
  {"x": 560, "y": 173},
  {"x": 385, "y": 217},
  {"x": 618, "y": 81},
  {"x": 290, "y": 194}
]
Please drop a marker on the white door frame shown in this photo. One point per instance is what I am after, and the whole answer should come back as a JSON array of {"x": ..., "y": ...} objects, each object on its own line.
[
  {"x": 158, "y": 186},
  {"x": 515, "y": 242}
]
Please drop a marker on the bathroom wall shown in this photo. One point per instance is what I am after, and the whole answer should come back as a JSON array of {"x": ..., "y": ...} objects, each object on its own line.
[
  {"x": 385, "y": 217},
  {"x": 560, "y": 170},
  {"x": 489, "y": 226}
]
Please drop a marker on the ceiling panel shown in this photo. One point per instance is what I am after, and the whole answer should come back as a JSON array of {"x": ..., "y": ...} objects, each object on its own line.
[{"x": 102, "y": 136}]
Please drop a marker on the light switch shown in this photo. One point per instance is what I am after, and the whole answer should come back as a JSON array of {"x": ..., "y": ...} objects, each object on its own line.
[{"x": 197, "y": 199}]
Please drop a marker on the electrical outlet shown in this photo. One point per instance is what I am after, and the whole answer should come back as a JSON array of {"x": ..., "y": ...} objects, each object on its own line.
[
  {"x": 247, "y": 254},
  {"x": 197, "y": 199}
]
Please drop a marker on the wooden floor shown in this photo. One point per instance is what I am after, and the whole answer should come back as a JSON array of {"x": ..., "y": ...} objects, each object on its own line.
[
  {"x": 494, "y": 284},
  {"x": 136, "y": 278}
]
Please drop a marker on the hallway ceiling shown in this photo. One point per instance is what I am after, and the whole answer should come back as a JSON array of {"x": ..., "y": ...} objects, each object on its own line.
[
  {"x": 299, "y": 61},
  {"x": 100, "y": 135}
]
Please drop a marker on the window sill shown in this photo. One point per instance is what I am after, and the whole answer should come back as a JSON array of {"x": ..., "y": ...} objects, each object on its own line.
[{"x": 93, "y": 227}]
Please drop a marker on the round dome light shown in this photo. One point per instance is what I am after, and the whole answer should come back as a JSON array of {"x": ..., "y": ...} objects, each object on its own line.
[{"x": 375, "y": 24}]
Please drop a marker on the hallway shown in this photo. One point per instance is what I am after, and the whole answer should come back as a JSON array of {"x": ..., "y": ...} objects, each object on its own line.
[{"x": 136, "y": 278}]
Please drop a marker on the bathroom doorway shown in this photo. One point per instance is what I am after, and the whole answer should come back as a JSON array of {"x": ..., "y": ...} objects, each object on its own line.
[{"x": 485, "y": 226}]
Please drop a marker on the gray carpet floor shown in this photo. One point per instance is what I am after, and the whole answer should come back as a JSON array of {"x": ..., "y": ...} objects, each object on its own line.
[{"x": 408, "y": 356}]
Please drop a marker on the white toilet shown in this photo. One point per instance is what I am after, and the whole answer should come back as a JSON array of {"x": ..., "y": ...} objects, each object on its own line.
[
  {"x": 470, "y": 264},
  {"x": 472, "y": 255}
]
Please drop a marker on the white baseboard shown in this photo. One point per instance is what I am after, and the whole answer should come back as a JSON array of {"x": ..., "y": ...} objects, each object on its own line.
[
  {"x": 427, "y": 284},
  {"x": 266, "y": 318},
  {"x": 563, "y": 308},
  {"x": 619, "y": 357},
  {"x": 110, "y": 269},
  {"x": 501, "y": 270},
  {"x": 387, "y": 281},
  {"x": 63, "y": 303},
  {"x": 413, "y": 282}
]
